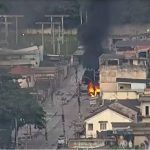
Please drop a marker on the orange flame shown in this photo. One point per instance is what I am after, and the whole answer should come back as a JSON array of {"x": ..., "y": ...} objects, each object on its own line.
[
  {"x": 93, "y": 90},
  {"x": 97, "y": 90}
]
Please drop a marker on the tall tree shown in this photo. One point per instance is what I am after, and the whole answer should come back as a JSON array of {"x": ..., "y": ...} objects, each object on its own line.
[{"x": 18, "y": 107}]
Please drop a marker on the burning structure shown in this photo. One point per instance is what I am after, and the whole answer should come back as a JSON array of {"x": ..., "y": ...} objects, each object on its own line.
[{"x": 93, "y": 90}]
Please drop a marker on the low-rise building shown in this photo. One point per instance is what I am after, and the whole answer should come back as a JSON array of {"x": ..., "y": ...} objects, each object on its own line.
[
  {"x": 31, "y": 56},
  {"x": 101, "y": 119}
]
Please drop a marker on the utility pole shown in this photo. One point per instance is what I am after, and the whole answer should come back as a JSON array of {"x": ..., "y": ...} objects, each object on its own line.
[
  {"x": 51, "y": 27},
  {"x": 62, "y": 22},
  {"x": 6, "y": 25},
  {"x": 42, "y": 31},
  {"x": 16, "y": 133},
  {"x": 63, "y": 118},
  {"x": 6, "y": 29},
  {"x": 94, "y": 75},
  {"x": 17, "y": 16},
  {"x": 46, "y": 134},
  {"x": 53, "y": 36},
  {"x": 79, "y": 103},
  {"x": 86, "y": 16},
  {"x": 76, "y": 73},
  {"x": 81, "y": 16},
  {"x": 59, "y": 39}
]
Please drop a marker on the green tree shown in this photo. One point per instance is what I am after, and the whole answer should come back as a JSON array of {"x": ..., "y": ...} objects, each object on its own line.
[{"x": 19, "y": 106}]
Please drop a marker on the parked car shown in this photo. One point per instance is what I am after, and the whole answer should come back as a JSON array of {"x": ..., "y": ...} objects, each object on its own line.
[{"x": 61, "y": 142}]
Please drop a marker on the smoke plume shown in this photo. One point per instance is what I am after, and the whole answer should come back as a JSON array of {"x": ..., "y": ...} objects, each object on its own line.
[{"x": 93, "y": 32}]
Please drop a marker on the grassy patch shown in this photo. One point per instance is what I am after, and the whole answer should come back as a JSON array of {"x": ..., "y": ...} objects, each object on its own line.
[{"x": 68, "y": 47}]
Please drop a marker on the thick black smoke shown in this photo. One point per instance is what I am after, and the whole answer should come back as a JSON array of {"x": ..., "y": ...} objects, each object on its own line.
[{"x": 93, "y": 32}]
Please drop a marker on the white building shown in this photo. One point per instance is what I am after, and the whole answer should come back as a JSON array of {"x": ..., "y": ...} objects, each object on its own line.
[{"x": 102, "y": 119}]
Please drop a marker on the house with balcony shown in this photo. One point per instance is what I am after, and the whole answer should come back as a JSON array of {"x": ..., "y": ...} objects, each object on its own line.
[{"x": 122, "y": 77}]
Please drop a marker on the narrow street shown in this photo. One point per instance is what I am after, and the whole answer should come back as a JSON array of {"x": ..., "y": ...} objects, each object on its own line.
[{"x": 54, "y": 112}]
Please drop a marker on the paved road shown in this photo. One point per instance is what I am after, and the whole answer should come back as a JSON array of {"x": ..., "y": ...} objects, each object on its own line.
[{"x": 54, "y": 120}]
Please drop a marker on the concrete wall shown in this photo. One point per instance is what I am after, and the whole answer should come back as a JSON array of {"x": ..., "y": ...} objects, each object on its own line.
[
  {"x": 107, "y": 115},
  {"x": 139, "y": 139},
  {"x": 120, "y": 95},
  {"x": 48, "y": 31},
  {"x": 138, "y": 86},
  {"x": 108, "y": 87},
  {"x": 108, "y": 75},
  {"x": 129, "y": 29},
  {"x": 132, "y": 73},
  {"x": 143, "y": 105}
]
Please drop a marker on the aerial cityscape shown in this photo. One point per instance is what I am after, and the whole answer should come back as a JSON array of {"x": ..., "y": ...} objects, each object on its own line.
[{"x": 75, "y": 74}]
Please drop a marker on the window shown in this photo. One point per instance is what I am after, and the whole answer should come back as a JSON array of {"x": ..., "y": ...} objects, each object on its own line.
[
  {"x": 123, "y": 86},
  {"x": 147, "y": 110},
  {"x": 90, "y": 126},
  {"x": 113, "y": 62},
  {"x": 103, "y": 125}
]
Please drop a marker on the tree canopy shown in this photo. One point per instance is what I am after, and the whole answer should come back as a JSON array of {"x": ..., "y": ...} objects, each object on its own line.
[{"x": 18, "y": 104}]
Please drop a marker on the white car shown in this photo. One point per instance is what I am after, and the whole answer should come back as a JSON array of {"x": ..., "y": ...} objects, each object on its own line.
[{"x": 61, "y": 142}]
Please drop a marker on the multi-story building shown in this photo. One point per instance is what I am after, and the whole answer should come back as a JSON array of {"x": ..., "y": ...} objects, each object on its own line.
[{"x": 122, "y": 77}]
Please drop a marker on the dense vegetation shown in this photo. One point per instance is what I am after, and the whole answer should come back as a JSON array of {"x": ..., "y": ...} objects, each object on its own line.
[{"x": 17, "y": 108}]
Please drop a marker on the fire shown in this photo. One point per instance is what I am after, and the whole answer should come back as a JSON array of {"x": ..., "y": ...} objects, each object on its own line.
[
  {"x": 97, "y": 90},
  {"x": 93, "y": 90}
]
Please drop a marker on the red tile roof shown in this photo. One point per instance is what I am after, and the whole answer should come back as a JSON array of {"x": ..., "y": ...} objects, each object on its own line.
[{"x": 21, "y": 70}]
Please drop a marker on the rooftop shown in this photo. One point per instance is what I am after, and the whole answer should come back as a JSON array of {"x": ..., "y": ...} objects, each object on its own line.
[
  {"x": 27, "y": 51},
  {"x": 145, "y": 98},
  {"x": 107, "y": 56},
  {"x": 133, "y": 43},
  {"x": 23, "y": 70},
  {"x": 123, "y": 107}
]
